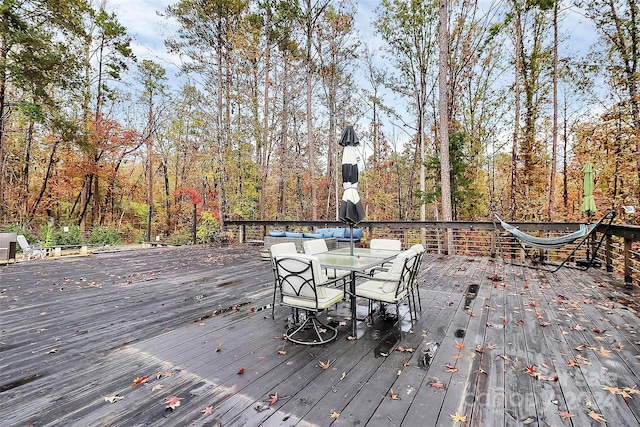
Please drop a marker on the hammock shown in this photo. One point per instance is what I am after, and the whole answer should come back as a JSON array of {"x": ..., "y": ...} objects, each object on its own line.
[{"x": 546, "y": 243}]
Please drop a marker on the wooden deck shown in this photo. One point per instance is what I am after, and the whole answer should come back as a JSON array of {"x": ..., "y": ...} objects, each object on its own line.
[{"x": 117, "y": 339}]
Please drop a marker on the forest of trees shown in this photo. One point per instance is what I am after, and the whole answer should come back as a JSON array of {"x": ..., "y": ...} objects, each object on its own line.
[{"x": 91, "y": 136}]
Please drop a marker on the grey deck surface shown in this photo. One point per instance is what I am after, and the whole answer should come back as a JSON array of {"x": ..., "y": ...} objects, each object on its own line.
[{"x": 528, "y": 348}]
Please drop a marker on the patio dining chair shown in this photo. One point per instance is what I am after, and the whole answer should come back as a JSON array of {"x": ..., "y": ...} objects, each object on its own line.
[
  {"x": 30, "y": 251},
  {"x": 274, "y": 251},
  {"x": 384, "y": 244},
  {"x": 414, "y": 288},
  {"x": 391, "y": 286},
  {"x": 305, "y": 287},
  {"x": 317, "y": 246}
]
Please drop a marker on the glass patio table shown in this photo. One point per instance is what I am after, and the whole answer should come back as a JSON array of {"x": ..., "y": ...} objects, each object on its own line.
[{"x": 362, "y": 260}]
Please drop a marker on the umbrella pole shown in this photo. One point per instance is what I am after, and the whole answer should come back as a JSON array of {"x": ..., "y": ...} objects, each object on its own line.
[{"x": 350, "y": 239}]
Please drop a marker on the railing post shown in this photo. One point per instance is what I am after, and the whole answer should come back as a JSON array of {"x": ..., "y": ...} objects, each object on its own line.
[
  {"x": 608, "y": 244},
  {"x": 628, "y": 278},
  {"x": 241, "y": 233}
]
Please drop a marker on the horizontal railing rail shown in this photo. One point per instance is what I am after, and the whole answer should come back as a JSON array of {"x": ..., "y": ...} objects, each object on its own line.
[{"x": 619, "y": 252}]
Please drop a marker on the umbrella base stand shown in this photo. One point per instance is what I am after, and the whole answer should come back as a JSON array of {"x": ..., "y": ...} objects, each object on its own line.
[{"x": 588, "y": 263}]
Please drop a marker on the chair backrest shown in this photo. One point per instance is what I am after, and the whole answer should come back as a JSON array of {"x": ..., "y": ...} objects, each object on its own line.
[
  {"x": 280, "y": 249},
  {"x": 398, "y": 277},
  {"x": 315, "y": 246},
  {"x": 390, "y": 244},
  {"x": 22, "y": 241},
  {"x": 300, "y": 276}
]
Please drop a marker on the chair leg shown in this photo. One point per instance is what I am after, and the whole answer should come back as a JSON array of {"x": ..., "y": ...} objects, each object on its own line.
[{"x": 312, "y": 323}]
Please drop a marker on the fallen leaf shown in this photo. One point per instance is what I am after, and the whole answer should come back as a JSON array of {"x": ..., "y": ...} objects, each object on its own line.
[
  {"x": 436, "y": 384},
  {"x": 219, "y": 347},
  {"x": 282, "y": 352},
  {"x": 325, "y": 365},
  {"x": 139, "y": 380},
  {"x": 490, "y": 346},
  {"x": 459, "y": 345},
  {"x": 565, "y": 414},
  {"x": 173, "y": 402},
  {"x": 604, "y": 352},
  {"x": 208, "y": 410},
  {"x": 597, "y": 417},
  {"x": 273, "y": 398},
  {"x": 393, "y": 395},
  {"x": 612, "y": 390},
  {"x": 451, "y": 368},
  {"x": 240, "y": 371},
  {"x": 343, "y": 376},
  {"x": 334, "y": 414},
  {"x": 156, "y": 387},
  {"x": 458, "y": 418},
  {"x": 112, "y": 399}
]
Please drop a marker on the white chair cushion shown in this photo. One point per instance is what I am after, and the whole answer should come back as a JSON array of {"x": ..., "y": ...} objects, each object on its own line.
[
  {"x": 315, "y": 246},
  {"x": 418, "y": 248},
  {"x": 389, "y": 244},
  {"x": 282, "y": 248},
  {"x": 330, "y": 297},
  {"x": 398, "y": 264},
  {"x": 374, "y": 289}
]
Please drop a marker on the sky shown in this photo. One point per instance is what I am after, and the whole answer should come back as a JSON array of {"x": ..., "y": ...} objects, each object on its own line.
[{"x": 149, "y": 29}]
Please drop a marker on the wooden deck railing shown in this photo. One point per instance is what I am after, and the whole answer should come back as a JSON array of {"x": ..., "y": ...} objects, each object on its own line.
[{"x": 619, "y": 252}]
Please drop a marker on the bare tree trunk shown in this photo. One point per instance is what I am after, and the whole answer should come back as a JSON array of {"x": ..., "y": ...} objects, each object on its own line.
[
  {"x": 265, "y": 121},
  {"x": 443, "y": 120},
  {"x": 516, "y": 121},
  {"x": 554, "y": 147}
]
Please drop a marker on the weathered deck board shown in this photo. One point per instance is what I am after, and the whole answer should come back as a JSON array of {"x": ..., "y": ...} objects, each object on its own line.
[{"x": 74, "y": 331}]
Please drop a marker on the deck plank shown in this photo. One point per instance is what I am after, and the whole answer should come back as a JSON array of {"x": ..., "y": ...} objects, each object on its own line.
[{"x": 75, "y": 331}]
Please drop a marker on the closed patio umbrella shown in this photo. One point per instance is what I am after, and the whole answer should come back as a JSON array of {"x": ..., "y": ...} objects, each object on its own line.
[
  {"x": 588, "y": 207},
  {"x": 351, "y": 211},
  {"x": 588, "y": 202}
]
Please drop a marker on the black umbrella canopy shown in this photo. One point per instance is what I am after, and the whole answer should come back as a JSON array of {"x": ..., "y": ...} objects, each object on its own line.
[{"x": 351, "y": 210}]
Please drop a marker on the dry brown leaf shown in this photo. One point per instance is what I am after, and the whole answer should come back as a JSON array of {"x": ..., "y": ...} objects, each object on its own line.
[
  {"x": 273, "y": 398},
  {"x": 604, "y": 352},
  {"x": 112, "y": 399},
  {"x": 208, "y": 410},
  {"x": 393, "y": 395},
  {"x": 458, "y": 418},
  {"x": 335, "y": 414},
  {"x": 140, "y": 380},
  {"x": 565, "y": 414},
  {"x": 459, "y": 345},
  {"x": 597, "y": 417},
  {"x": 450, "y": 368},
  {"x": 325, "y": 365},
  {"x": 156, "y": 387},
  {"x": 173, "y": 402}
]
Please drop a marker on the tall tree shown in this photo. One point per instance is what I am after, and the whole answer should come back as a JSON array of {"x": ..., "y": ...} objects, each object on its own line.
[
  {"x": 107, "y": 53},
  {"x": 618, "y": 23},
  {"x": 33, "y": 58},
  {"x": 443, "y": 117},
  {"x": 409, "y": 29}
]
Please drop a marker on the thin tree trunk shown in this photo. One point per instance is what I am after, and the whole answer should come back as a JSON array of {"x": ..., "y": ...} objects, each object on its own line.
[
  {"x": 443, "y": 120},
  {"x": 516, "y": 121},
  {"x": 554, "y": 147}
]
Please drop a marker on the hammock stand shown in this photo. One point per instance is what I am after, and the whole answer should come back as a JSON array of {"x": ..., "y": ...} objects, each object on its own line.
[{"x": 546, "y": 243}]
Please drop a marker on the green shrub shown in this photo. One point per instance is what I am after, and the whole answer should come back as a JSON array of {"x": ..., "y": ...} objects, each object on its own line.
[
  {"x": 208, "y": 225},
  {"x": 182, "y": 236},
  {"x": 105, "y": 235},
  {"x": 72, "y": 237},
  {"x": 47, "y": 237}
]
